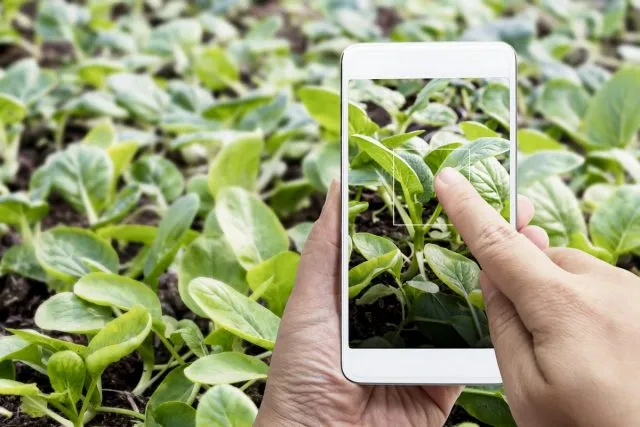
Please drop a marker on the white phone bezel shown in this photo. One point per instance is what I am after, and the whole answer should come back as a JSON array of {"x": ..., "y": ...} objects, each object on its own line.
[{"x": 406, "y": 61}]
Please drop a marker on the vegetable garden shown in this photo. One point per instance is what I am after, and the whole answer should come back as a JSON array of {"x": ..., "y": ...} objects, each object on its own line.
[{"x": 162, "y": 163}]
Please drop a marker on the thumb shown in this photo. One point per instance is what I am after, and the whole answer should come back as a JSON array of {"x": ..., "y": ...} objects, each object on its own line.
[
  {"x": 318, "y": 274},
  {"x": 511, "y": 340}
]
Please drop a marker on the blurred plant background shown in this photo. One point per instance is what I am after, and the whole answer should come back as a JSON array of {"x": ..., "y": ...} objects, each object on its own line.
[{"x": 145, "y": 139}]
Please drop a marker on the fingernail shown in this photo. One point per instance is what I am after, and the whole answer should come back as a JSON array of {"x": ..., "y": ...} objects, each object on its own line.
[{"x": 449, "y": 176}]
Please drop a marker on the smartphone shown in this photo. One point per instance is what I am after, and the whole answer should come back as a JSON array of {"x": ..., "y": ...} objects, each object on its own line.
[{"x": 412, "y": 309}]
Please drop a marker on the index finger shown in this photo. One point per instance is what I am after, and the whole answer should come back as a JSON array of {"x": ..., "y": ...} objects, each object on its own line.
[{"x": 515, "y": 265}]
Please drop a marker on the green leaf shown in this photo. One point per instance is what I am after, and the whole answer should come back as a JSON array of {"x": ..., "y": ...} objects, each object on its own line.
[
  {"x": 391, "y": 163},
  {"x": 106, "y": 289},
  {"x": 176, "y": 34},
  {"x": 199, "y": 185},
  {"x": 375, "y": 292},
  {"x": 119, "y": 338},
  {"x": 613, "y": 117},
  {"x": 274, "y": 278},
  {"x": 67, "y": 372},
  {"x": 564, "y": 103},
  {"x": 556, "y": 210},
  {"x": 429, "y": 90},
  {"x": 213, "y": 257},
  {"x": 135, "y": 233},
  {"x": 494, "y": 101},
  {"x": 228, "y": 109},
  {"x": 66, "y": 312},
  {"x": 235, "y": 312},
  {"x": 225, "y": 406},
  {"x": 251, "y": 228},
  {"x": 13, "y": 347},
  {"x": 95, "y": 104},
  {"x": 173, "y": 414},
  {"x": 594, "y": 196},
  {"x": 290, "y": 196},
  {"x": 425, "y": 175},
  {"x": 53, "y": 344},
  {"x": 16, "y": 388},
  {"x": 465, "y": 156},
  {"x": 474, "y": 130},
  {"x": 124, "y": 202},
  {"x": 62, "y": 250},
  {"x": 215, "y": 69},
  {"x": 140, "y": 95},
  {"x": 362, "y": 274},
  {"x": 25, "y": 82},
  {"x": 12, "y": 110},
  {"x": 95, "y": 71},
  {"x": 543, "y": 164},
  {"x": 188, "y": 332},
  {"x": 83, "y": 176},
  {"x": 487, "y": 406},
  {"x": 160, "y": 174},
  {"x": 491, "y": 180},
  {"x": 423, "y": 285},
  {"x": 266, "y": 117},
  {"x": 322, "y": 165},
  {"x": 237, "y": 164},
  {"x": 400, "y": 139},
  {"x": 324, "y": 106},
  {"x": 21, "y": 260},
  {"x": 624, "y": 158},
  {"x": 175, "y": 387},
  {"x": 615, "y": 225},
  {"x": 532, "y": 140},
  {"x": 615, "y": 13},
  {"x": 371, "y": 246},
  {"x": 172, "y": 232},
  {"x": 103, "y": 135},
  {"x": 121, "y": 155},
  {"x": 16, "y": 208},
  {"x": 436, "y": 115},
  {"x": 226, "y": 368},
  {"x": 458, "y": 272}
]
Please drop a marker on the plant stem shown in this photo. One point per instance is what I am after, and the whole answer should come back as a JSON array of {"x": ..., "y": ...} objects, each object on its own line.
[
  {"x": 264, "y": 355},
  {"x": 85, "y": 404},
  {"x": 25, "y": 231},
  {"x": 59, "y": 136},
  {"x": 65, "y": 410},
  {"x": 121, "y": 411},
  {"x": 432, "y": 219},
  {"x": 247, "y": 384},
  {"x": 474, "y": 315},
  {"x": 170, "y": 347}
]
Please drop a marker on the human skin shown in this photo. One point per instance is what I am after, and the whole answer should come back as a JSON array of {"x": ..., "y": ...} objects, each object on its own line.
[
  {"x": 306, "y": 385},
  {"x": 565, "y": 325}
]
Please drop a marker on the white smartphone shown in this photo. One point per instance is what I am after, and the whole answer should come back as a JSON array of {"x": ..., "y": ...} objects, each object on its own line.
[{"x": 412, "y": 310}]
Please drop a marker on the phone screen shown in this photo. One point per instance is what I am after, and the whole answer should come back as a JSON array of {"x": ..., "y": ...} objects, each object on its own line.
[{"x": 412, "y": 281}]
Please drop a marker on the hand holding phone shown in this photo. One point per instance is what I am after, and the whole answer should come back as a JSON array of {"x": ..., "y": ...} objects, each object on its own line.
[
  {"x": 567, "y": 344},
  {"x": 305, "y": 378}
]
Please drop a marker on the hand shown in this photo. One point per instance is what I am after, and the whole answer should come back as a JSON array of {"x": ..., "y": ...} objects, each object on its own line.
[
  {"x": 306, "y": 385},
  {"x": 565, "y": 325}
]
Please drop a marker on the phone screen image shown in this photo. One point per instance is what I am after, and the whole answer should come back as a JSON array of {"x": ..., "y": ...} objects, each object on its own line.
[{"x": 412, "y": 281}]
